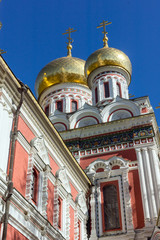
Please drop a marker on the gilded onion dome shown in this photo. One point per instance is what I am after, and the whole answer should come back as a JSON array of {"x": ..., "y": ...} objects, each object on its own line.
[
  {"x": 107, "y": 57},
  {"x": 62, "y": 70}
]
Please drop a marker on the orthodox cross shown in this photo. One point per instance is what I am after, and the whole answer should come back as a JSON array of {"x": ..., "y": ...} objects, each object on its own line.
[
  {"x": 105, "y": 39},
  {"x": 70, "y": 40},
  {"x": 1, "y": 51}
]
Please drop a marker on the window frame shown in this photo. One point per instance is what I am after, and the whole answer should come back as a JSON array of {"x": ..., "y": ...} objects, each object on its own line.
[{"x": 99, "y": 184}]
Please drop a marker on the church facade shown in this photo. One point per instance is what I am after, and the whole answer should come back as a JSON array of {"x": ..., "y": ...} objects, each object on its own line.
[{"x": 82, "y": 162}]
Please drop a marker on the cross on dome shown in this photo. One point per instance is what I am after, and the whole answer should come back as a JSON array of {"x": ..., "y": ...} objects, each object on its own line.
[
  {"x": 1, "y": 51},
  {"x": 70, "y": 40},
  {"x": 105, "y": 39}
]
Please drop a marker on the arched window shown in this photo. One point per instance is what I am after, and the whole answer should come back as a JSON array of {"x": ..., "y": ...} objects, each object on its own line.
[
  {"x": 46, "y": 110},
  {"x": 74, "y": 106},
  {"x": 34, "y": 188},
  {"x": 59, "y": 106},
  {"x": 111, "y": 208},
  {"x": 119, "y": 90},
  {"x": 106, "y": 89}
]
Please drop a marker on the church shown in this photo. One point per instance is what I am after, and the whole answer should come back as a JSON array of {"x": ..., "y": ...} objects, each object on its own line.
[{"x": 81, "y": 160}]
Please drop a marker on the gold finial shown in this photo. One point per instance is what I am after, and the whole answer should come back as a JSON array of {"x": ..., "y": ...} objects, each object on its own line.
[
  {"x": 70, "y": 40},
  {"x": 1, "y": 51},
  {"x": 105, "y": 39}
]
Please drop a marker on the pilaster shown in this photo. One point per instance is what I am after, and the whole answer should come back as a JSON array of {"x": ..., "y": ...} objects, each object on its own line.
[
  {"x": 93, "y": 235},
  {"x": 154, "y": 162},
  {"x": 127, "y": 199},
  {"x": 143, "y": 186},
  {"x": 151, "y": 194}
]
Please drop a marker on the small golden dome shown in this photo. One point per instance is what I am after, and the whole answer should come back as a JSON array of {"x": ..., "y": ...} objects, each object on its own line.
[
  {"x": 62, "y": 70},
  {"x": 107, "y": 57}
]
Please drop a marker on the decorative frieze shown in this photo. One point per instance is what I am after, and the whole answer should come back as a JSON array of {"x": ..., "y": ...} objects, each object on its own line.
[
  {"x": 112, "y": 148},
  {"x": 114, "y": 141}
]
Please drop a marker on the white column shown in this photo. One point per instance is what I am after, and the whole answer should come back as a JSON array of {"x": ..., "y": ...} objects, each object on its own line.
[
  {"x": 114, "y": 87},
  {"x": 79, "y": 103},
  {"x": 93, "y": 216},
  {"x": 84, "y": 230},
  {"x": 52, "y": 106},
  {"x": 82, "y": 101},
  {"x": 154, "y": 162},
  {"x": 143, "y": 186},
  {"x": 127, "y": 199},
  {"x": 151, "y": 194},
  {"x": 99, "y": 90},
  {"x": 67, "y": 104}
]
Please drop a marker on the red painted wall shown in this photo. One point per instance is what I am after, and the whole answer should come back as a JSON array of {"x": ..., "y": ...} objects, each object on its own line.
[
  {"x": 71, "y": 223},
  {"x": 128, "y": 154},
  {"x": 136, "y": 199},
  {"x": 20, "y": 168},
  {"x": 74, "y": 192},
  {"x": 25, "y": 130},
  {"x": 50, "y": 205},
  {"x": 53, "y": 165},
  {"x": 13, "y": 234}
]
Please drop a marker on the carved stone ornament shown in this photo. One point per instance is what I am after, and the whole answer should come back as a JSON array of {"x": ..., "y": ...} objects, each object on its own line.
[
  {"x": 39, "y": 144},
  {"x": 62, "y": 176},
  {"x": 81, "y": 200}
]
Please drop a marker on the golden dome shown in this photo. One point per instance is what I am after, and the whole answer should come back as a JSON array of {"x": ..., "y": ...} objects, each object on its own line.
[
  {"x": 62, "y": 70},
  {"x": 107, "y": 57}
]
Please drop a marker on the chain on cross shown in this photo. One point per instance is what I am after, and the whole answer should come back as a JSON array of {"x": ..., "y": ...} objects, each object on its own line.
[{"x": 105, "y": 39}]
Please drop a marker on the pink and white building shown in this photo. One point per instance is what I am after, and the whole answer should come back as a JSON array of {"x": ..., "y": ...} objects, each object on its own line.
[{"x": 98, "y": 177}]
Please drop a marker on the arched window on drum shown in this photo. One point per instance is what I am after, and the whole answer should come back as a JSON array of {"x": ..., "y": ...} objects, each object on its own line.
[{"x": 119, "y": 93}]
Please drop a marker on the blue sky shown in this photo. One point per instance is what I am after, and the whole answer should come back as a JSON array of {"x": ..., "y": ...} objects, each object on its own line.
[{"x": 32, "y": 36}]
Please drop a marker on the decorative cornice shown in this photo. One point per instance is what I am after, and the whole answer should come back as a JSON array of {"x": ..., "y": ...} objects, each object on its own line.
[{"x": 125, "y": 138}]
